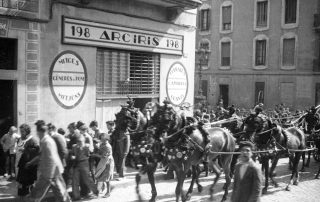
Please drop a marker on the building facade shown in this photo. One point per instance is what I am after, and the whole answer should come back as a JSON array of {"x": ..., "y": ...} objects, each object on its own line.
[
  {"x": 259, "y": 51},
  {"x": 64, "y": 61}
]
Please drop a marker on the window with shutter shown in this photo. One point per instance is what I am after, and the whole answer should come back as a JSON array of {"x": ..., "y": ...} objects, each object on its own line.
[
  {"x": 120, "y": 73},
  {"x": 204, "y": 19},
  {"x": 288, "y": 52},
  {"x": 225, "y": 53},
  {"x": 226, "y": 17},
  {"x": 262, "y": 14},
  {"x": 290, "y": 11},
  {"x": 261, "y": 49}
]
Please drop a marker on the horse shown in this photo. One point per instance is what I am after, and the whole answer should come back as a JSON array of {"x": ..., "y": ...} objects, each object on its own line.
[
  {"x": 186, "y": 145},
  {"x": 269, "y": 136},
  {"x": 145, "y": 149}
]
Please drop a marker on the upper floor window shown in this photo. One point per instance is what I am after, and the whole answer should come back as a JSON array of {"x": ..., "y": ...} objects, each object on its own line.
[
  {"x": 260, "y": 48},
  {"x": 204, "y": 19},
  {"x": 290, "y": 13},
  {"x": 262, "y": 14},
  {"x": 226, "y": 17},
  {"x": 288, "y": 48},
  {"x": 204, "y": 46},
  {"x": 225, "y": 53}
]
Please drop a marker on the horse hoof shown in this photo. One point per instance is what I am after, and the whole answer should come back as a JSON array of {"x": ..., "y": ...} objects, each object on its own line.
[
  {"x": 288, "y": 189},
  {"x": 295, "y": 183},
  {"x": 152, "y": 200},
  {"x": 200, "y": 188},
  {"x": 276, "y": 185},
  {"x": 264, "y": 191}
]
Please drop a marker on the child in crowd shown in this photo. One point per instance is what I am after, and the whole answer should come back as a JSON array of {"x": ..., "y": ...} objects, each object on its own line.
[{"x": 104, "y": 172}]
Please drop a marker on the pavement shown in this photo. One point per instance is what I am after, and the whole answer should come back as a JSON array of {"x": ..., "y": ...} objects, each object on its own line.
[{"x": 308, "y": 189}]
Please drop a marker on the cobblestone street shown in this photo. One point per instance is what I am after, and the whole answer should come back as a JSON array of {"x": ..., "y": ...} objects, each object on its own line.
[{"x": 124, "y": 191}]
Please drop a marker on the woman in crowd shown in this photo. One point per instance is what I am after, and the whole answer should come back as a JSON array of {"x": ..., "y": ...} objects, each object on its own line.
[
  {"x": 28, "y": 148},
  {"x": 104, "y": 171}
]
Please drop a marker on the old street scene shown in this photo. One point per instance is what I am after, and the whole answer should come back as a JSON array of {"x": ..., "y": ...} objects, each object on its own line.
[{"x": 160, "y": 100}]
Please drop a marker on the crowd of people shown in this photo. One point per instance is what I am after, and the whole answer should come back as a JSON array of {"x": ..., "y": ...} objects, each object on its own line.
[
  {"x": 87, "y": 160},
  {"x": 55, "y": 159}
]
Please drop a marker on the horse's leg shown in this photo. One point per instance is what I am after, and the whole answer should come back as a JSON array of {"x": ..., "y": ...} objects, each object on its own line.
[
  {"x": 206, "y": 168},
  {"x": 150, "y": 174},
  {"x": 265, "y": 164},
  {"x": 317, "y": 175},
  {"x": 303, "y": 161},
  {"x": 179, "y": 192},
  {"x": 226, "y": 169},
  {"x": 200, "y": 188},
  {"x": 194, "y": 176},
  {"x": 308, "y": 161},
  {"x": 233, "y": 163},
  {"x": 292, "y": 172},
  {"x": 138, "y": 178},
  {"x": 272, "y": 173},
  {"x": 296, "y": 169},
  {"x": 217, "y": 171}
]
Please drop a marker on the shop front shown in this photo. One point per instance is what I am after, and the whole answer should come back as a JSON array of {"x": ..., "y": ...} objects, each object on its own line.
[{"x": 77, "y": 60}]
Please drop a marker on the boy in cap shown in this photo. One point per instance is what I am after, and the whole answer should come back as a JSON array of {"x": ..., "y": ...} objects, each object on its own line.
[{"x": 247, "y": 178}]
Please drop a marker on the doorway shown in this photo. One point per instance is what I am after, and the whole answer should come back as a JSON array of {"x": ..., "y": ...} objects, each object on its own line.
[
  {"x": 224, "y": 94},
  {"x": 317, "y": 94},
  {"x": 7, "y": 111},
  {"x": 259, "y": 93}
]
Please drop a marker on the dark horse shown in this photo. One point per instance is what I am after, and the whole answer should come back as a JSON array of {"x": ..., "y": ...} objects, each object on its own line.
[
  {"x": 145, "y": 149},
  {"x": 271, "y": 137},
  {"x": 186, "y": 145}
]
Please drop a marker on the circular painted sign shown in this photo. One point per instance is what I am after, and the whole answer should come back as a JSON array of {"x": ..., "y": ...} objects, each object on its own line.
[
  {"x": 68, "y": 79},
  {"x": 177, "y": 83}
]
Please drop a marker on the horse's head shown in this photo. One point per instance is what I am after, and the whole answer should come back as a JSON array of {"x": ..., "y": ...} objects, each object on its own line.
[{"x": 253, "y": 123}]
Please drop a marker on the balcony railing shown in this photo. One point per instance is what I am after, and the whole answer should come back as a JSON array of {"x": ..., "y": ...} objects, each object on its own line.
[{"x": 22, "y": 5}]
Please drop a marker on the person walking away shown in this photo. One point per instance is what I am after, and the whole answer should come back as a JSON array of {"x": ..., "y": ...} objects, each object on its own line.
[
  {"x": 247, "y": 178},
  {"x": 80, "y": 156},
  {"x": 9, "y": 144},
  {"x": 61, "y": 143},
  {"x": 104, "y": 172},
  {"x": 27, "y": 149},
  {"x": 96, "y": 141},
  {"x": 50, "y": 168}
]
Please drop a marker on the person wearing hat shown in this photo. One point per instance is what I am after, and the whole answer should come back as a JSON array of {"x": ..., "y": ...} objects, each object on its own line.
[
  {"x": 247, "y": 176},
  {"x": 311, "y": 120}
]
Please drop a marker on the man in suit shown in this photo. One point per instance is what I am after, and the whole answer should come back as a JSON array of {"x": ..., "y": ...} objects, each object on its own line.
[
  {"x": 247, "y": 178},
  {"x": 50, "y": 168}
]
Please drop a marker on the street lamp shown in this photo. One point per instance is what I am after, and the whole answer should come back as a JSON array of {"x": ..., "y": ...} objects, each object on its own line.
[{"x": 203, "y": 54}]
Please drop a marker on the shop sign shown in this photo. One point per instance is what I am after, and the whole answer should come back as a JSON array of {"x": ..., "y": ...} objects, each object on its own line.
[
  {"x": 68, "y": 79},
  {"x": 3, "y": 27},
  {"x": 177, "y": 84},
  {"x": 81, "y": 32}
]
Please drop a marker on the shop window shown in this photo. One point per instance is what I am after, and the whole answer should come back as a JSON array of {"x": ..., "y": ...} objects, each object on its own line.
[
  {"x": 290, "y": 15},
  {"x": 120, "y": 73},
  {"x": 204, "y": 19},
  {"x": 225, "y": 53},
  {"x": 260, "y": 52},
  {"x": 262, "y": 14},
  {"x": 8, "y": 54}
]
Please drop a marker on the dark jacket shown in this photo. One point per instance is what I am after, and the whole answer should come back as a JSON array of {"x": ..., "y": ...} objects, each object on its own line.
[
  {"x": 61, "y": 146},
  {"x": 120, "y": 142},
  {"x": 247, "y": 189}
]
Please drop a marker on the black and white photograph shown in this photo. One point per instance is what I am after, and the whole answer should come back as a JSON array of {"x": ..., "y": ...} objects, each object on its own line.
[{"x": 160, "y": 100}]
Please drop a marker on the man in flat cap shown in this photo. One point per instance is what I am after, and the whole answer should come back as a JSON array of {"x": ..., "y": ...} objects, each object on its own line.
[{"x": 247, "y": 177}]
